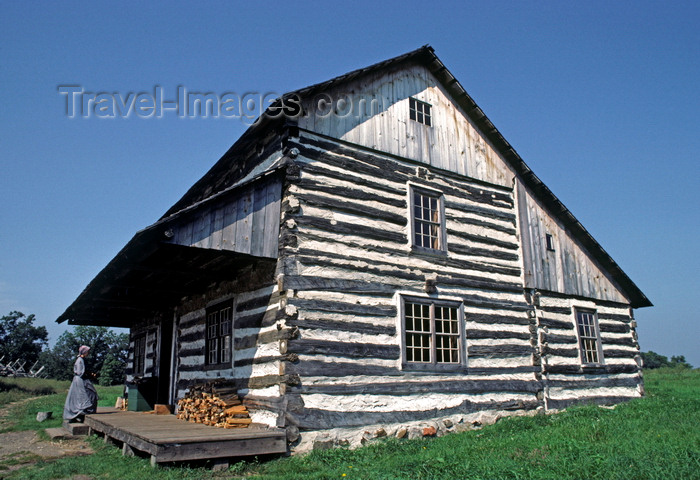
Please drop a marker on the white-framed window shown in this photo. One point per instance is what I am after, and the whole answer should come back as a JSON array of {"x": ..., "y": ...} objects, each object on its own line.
[
  {"x": 427, "y": 214},
  {"x": 588, "y": 336},
  {"x": 432, "y": 334},
  {"x": 219, "y": 334},
  {"x": 419, "y": 111}
]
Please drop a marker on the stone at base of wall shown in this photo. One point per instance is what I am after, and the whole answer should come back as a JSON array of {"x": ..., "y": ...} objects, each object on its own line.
[{"x": 356, "y": 437}]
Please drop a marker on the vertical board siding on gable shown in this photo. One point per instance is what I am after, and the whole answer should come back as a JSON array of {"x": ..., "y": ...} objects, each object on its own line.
[
  {"x": 247, "y": 222},
  {"x": 568, "y": 269},
  {"x": 452, "y": 142},
  {"x": 351, "y": 256},
  {"x": 565, "y": 381}
]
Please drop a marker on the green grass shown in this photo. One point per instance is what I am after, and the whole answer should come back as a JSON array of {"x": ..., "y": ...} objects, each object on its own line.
[
  {"x": 16, "y": 389},
  {"x": 653, "y": 437},
  {"x": 52, "y": 396},
  {"x": 107, "y": 462}
]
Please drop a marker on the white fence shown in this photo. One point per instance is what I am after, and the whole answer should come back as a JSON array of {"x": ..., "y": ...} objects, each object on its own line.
[{"x": 16, "y": 369}]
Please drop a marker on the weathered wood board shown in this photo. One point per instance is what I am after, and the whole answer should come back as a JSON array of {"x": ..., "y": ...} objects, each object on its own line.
[{"x": 168, "y": 439}]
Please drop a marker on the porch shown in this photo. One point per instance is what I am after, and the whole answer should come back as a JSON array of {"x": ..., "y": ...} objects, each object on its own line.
[{"x": 168, "y": 439}]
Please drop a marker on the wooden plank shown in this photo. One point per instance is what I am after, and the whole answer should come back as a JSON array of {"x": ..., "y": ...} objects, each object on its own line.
[
  {"x": 312, "y": 188},
  {"x": 256, "y": 320},
  {"x": 168, "y": 439},
  {"x": 479, "y": 252},
  {"x": 560, "y": 352},
  {"x": 554, "y": 338},
  {"x": 201, "y": 229},
  {"x": 344, "y": 349},
  {"x": 217, "y": 228},
  {"x": 526, "y": 241},
  {"x": 612, "y": 316},
  {"x": 602, "y": 400},
  {"x": 244, "y": 223},
  {"x": 347, "y": 228},
  {"x": 344, "y": 307},
  {"x": 623, "y": 341},
  {"x": 257, "y": 231},
  {"x": 583, "y": 382},
  {"x": 221, "y": 449},
  {"x": 228, "y": 237},
  {"x": 344, "y": 326},
  {"x": 496, "y": 319},
  {"x": 574, "y": 368},
  {"x": 272, "y": 219},
  {"x": 249, "y": 341},
  {"x": 333, "y": 284},
  {"x": 613, "y": 328},
  {"x": 353, "y": 208},
  {"x": 314, "y": 419},
  {"x": 484, "y": 240},
  {"x": 415, "y": 387},
  {"x": 366, "y": 183},
  {"x": 474, "y": 334},
  {"x": 560, "y": 310},
  {"x": 551, "y": 323},
  {"x": 499, "y": 351},
  {"x": 479, "y": 222}
]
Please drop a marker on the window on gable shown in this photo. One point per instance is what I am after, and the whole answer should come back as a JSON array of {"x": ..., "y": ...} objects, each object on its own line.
[
  {"x": 589, "y": 336},
  {"x": 427, "y": 219},
  {"x": 419, "y": 111},
  {"x": 549, "y": 240},
  {"x": 219, "y": 334},
  {"x": 433, "y": 336}
]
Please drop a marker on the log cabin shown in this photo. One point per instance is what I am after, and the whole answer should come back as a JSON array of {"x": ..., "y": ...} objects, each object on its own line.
[{"x": 372, "y": 257}]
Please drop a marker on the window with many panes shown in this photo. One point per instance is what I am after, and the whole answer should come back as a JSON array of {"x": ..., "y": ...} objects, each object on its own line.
[
  {"x": 589, "y": 336},
  {"x": 219, "y": 334},
  {"x": 139, "y": 355},
  {"x": 419, "y": 111},
  {"x": 433, "y": 337},
  {"x": 427, "y": 219}
]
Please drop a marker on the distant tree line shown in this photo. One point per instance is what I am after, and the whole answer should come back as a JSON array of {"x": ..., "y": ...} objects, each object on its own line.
[
  {"x": 21, "y": 340},
  {"x": 654, "y": 360}
]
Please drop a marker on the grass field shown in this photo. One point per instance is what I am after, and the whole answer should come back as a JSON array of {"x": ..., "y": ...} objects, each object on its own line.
[
  {"x": 51, "y": 397},
  {"x": 653, "y": 437}
]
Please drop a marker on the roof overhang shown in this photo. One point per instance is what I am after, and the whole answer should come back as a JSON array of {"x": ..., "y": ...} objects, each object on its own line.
[{"x": 149, "y": 277}]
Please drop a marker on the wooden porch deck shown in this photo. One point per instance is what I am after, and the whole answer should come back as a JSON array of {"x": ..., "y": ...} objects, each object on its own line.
[{"x": 168, "y": 439}]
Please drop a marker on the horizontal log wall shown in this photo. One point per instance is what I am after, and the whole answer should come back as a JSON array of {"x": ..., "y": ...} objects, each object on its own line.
[
  {"x": 255, "y": 367},
  {"x": 566, "y": 380},
  {"x": 346, "y": 262}
]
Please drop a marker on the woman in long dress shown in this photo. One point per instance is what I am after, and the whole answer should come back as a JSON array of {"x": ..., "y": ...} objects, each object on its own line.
[{"x": 82, "y": 396}]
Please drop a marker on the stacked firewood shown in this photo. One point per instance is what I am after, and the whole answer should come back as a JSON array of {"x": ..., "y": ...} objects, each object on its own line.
[{"x": 211, "y": 406}]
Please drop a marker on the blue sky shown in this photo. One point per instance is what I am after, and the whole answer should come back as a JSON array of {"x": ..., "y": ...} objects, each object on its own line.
[{"x": 599, "y": 98}]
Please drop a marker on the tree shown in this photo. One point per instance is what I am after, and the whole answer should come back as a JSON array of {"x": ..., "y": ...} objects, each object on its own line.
[
  {"x": 679, "y": 361},
  {"x": 654, "y": 360},
  {"x": 106, "y": 347},
  {"x": 20, "y": 339}
]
